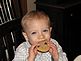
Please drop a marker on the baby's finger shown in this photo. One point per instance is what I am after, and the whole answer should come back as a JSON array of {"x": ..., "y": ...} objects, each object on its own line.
[
  {"x": 52, "y": 44},
  {"x": 31, "y": 49},
  {"x": 35, "y": 50},
  {"x": 33, "y": 46}
]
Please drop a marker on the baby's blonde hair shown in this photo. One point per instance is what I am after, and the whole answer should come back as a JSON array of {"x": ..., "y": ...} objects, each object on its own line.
[{"x": 34, "y": 15}]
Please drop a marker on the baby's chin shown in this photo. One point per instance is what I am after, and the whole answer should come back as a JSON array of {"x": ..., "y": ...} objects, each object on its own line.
[{"x": 43, "y": 46}]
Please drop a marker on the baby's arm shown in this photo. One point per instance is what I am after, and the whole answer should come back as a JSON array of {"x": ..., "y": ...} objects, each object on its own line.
[
  {"x": 62, "y": 55},
  {"x": 21, "y": 53},
  {"x": 32, "y": 53},
  {"x": 54, "y": 51}
]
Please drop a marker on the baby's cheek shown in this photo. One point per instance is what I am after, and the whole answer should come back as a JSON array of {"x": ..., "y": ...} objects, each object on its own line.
[
  {"x": 48, "y": 36},
  {"x": 31, "y": 41}
]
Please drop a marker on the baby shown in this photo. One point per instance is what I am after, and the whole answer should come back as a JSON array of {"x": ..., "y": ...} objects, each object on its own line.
[{"x": 39, "y": 45}]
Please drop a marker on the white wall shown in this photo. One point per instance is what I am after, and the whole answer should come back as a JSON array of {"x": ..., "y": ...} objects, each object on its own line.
[{"x": 31, "y": 5}]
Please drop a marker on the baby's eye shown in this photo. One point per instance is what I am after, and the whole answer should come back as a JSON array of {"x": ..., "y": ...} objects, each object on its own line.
[
  {"x": 33, "y": 33},
  {"x": 45, "y": 30}
]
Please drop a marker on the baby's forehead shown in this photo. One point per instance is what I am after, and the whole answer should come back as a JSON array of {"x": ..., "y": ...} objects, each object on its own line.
[
  {"x": 37, "y": 24},
  {"x": 37, "y": 21}
]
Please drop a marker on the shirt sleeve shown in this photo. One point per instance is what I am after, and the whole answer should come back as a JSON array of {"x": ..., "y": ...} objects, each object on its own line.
[
  {"x": 62, "y": 55},
  {"x": 21, "y": 54}
]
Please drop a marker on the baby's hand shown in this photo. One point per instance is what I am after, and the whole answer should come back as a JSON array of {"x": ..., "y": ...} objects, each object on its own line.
[
  {"x": 53, "y": 51},
  {"x": 32, "y": 53}
]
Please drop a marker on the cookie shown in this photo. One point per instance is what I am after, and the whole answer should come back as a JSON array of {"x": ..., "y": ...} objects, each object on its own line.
[{"x": 43, "y": 46}]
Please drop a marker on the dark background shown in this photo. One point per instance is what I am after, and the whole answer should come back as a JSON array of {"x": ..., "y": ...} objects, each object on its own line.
[{"x": 65, "y": 16}]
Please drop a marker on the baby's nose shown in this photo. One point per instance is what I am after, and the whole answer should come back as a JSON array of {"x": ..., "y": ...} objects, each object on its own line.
[{"x": 41, "y": 36}]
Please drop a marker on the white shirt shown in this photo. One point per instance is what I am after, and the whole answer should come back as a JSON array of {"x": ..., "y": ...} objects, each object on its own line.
[{"x": 21, "y": 53}]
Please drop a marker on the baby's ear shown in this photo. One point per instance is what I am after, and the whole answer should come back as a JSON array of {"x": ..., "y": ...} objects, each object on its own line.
[
  {"x": 50, "y": 29},
  {"x": 25, "y": 36}
]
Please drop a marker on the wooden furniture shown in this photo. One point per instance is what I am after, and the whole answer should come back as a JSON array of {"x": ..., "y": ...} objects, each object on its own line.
[
  {"x": 11, "y": 12},
  {"x": 10, "y": 38},
  {"x": 65, "y": 15}
]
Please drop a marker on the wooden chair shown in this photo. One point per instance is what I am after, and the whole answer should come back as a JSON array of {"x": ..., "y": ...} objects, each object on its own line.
[
  {"x": 10, "y": 38},
  {"x": 10, "y": 28}
]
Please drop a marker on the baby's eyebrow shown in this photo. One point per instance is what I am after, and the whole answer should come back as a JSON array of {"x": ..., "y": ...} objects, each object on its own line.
[
  {"x": 47, "y": 27},
  {"x": 33, "y": 31}
]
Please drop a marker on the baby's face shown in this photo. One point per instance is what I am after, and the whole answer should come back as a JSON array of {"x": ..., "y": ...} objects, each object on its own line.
[{"x": 38, "y": 30}]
